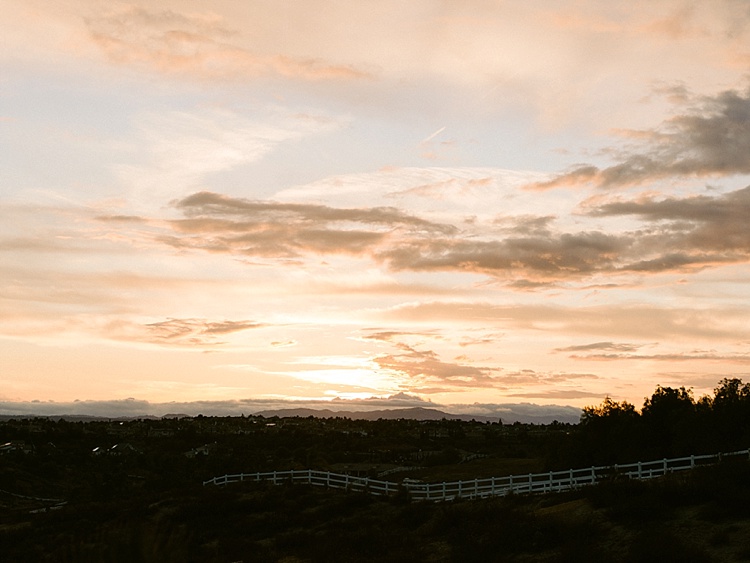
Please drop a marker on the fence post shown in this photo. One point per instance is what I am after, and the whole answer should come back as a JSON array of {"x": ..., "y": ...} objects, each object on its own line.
[
  {"x": 640, "y": 470},
  {"x": 459, "y": 489}
]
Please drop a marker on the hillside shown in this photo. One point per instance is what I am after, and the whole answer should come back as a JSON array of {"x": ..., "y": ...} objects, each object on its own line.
[
  {"x": 700, "y": 517},
  {"x": 131, "y": 490}
]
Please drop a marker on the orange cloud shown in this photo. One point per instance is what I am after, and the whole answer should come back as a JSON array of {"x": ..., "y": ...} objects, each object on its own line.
[{"x": 198, "y": 46}]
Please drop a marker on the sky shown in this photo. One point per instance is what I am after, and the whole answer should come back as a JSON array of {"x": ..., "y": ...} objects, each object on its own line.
[{"x": 461, "y": 204}]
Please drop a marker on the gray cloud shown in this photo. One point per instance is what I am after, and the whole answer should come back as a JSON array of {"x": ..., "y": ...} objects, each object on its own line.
[
  {"x": 710, "y": 139},
  {"x": 120, "y": 219},
  {"x": 679, "y": 234},
  {"x": 560, "y": 256},
  {"x": 608, "y": 346},
  {"x": 526, "y": 225},
  {"x": 692, "y": 231},
  {"x": 219, "y": 223}
]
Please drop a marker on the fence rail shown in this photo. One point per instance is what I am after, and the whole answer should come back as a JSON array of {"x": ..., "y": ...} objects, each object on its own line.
[{"x": 551, "y": 481}]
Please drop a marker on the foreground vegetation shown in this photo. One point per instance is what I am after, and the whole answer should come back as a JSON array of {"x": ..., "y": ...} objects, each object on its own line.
[
  {"x": 131, "y": 490},
  {"x": 697, "y": 516}
]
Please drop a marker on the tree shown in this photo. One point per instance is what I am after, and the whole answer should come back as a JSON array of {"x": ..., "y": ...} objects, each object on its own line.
[
  {"x": 730, "y": 413},
  {"x": 669, "y": 419},
  {"x": 610, "y": 432},
  {"x": 730, "y": 393},
  {"x": 608, "y": 411}
]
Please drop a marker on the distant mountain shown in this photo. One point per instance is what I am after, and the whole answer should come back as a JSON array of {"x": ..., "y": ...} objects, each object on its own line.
[
  {"x": 508, "y": 413},
  {"x": 541, "y": 416},
  {"x": 78, "y": 417},
  {"x": 414, "y": 413}
]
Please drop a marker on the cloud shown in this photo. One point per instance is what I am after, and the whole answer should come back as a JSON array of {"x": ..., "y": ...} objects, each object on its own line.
[
  {"x": 680, "y": 234},
  {"x": 526, "y": 251},
  {"x": 608, "y": 346},
  {"x": 421, "y": 370},
  {"x": 218, "y": 223},
  {"x": 177, "y": 150},
  {"x": 198, "y": 46},
  {"x": 491, "y": 338},
  {"x": 188, "y": 332},
  {"x": 712, "y": 138},
  {"x": 551, "y": 257},
  {"x": 556, "y": 394},
  {"x": 693, "y": 231},
  {"x": 648, "y": 322},
  {"x": 678, "y": 357}
]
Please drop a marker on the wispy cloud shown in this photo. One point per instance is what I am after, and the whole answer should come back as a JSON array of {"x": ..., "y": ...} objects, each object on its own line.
[
  {"x": 179, "y": 149},
  {"x": 693, "y": 356},
  {"x": 650, "y": 322},
  {"x": 198, "y": 46},
  {"x": 606, "y": 346},
  {"x": 194, "y": 332}
]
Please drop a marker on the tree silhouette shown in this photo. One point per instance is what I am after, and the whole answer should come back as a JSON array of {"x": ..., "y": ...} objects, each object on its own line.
[
  {"x": 731, "y": 412},
  {"x": 671, "y": 423},
  {"x": 669, "y": 420},
  {"x": 610, "y": 432}
]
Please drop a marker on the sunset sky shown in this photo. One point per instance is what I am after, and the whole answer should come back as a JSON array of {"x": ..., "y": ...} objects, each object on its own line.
[{"x": 459, "y": 204}]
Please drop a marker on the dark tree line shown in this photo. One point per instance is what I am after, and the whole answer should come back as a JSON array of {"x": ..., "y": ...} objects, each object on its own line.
[{"x": 671, "y": 423}]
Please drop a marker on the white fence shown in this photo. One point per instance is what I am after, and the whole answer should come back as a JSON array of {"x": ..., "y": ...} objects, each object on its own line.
[{"x": 551, "y": 481}]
